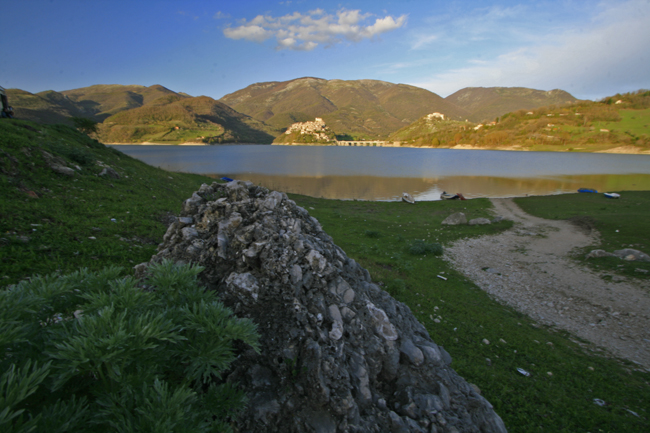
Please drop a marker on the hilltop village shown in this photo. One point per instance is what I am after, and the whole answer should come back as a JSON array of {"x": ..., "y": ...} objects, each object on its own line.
[{"x": 316, "y": 132}]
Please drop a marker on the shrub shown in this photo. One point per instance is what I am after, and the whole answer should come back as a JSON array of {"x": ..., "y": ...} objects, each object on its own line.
[
  {"x": 93, "y": 351},
  {"x": 397, "y": 287},
  {"x": 372, "y": 233},
  {"x": 419, "y": 247},
  {"x": 78, "y": 154}
]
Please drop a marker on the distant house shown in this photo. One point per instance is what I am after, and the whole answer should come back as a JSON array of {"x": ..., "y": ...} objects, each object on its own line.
[{"x": 435, "y": 116}]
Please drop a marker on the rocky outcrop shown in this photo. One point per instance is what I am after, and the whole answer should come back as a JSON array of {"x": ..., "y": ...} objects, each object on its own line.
[
  {"x": 338, "y": 354},
  {"x": 57, "y": 164}
]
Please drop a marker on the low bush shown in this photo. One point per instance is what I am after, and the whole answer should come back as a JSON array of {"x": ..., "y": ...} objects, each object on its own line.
[
  {"x": 419, "y": 247},
  {"x": 95, "y": 352}
]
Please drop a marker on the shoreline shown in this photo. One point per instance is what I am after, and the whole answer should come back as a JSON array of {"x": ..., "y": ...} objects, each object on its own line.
[
  {"x": 620, "y": 150},
  {"x": 146, "y": 143}
]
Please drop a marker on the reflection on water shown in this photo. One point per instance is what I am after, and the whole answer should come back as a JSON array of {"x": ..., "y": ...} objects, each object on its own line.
[
  {"x": 391, "y": 188},
  {"x": 385, "y": 173}
]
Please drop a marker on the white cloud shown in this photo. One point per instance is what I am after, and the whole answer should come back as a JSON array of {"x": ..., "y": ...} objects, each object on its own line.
[
  {"x": 250, "y": 33},
  {"x": 305, "y": 32},
  {"x": 608, "y": 55}
]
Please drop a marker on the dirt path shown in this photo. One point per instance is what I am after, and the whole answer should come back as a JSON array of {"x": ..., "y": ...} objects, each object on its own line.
[{"x": 528, "y": 268}]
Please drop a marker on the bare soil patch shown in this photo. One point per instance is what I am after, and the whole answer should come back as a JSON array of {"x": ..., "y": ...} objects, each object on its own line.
[{"x": 529, "y": 268}]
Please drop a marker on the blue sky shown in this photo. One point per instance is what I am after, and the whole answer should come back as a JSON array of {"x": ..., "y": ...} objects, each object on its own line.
[{"x": 588, "y": 48}]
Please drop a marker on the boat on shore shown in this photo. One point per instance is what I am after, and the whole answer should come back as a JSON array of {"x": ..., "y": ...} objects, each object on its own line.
[
  {"x": 408, "y": 198},
  {"x": 446, "y": 196}
]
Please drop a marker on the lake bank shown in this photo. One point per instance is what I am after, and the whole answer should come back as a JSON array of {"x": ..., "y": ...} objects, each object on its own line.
[{"x": 514, "y": 147}]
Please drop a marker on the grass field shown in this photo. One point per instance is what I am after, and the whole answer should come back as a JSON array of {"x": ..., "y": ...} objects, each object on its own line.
[
  {"x": 459, "y": 316},
  {"x": 621, "y": 223},
  {"x": 50, "y": 222}
]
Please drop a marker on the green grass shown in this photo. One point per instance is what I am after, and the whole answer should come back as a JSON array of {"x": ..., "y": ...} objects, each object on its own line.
[
  {"x": 633, "y": 122},
  {"x": 379, "y": 236},
  {"x": 621, "y": 223},
  {"x": 51, "y": 222}
]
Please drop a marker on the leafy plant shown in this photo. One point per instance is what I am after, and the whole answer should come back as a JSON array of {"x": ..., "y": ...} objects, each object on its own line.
[
  {"x": 85, "y": 125},
  {"x": 418, "y": 247},
  {"x": 94, "y": 351},
  {"x": 372, "y": 233}
]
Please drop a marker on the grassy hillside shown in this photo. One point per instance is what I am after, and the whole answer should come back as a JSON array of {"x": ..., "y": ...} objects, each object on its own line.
[
  {"x": 102, "y": 101},
  {"x": 486, "y": 104},
  {"x": 583, "y": 126},
  {"x": 45, "y": 107},
  {"x": 136, "y": 114},
  {"x": 175, "y": 119},
  {"x": 50, "y": 221},
  {"x": 362, "y": 109}
]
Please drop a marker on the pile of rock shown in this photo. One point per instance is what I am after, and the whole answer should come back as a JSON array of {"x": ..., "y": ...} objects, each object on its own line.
[{"x": 338, "y": 354}]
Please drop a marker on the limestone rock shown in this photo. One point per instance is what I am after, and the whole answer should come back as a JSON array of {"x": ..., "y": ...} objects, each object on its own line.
[
  {"x": 455, "y": 219},
  {"x": 62, "y": 169},
  {"x": 109, "y": 172},
  {"x": 479, "y": 221},
  {"x": 598, "y": 253},
  {"x": 338, "y": 354},
  {"x": 632, "y": 255}
]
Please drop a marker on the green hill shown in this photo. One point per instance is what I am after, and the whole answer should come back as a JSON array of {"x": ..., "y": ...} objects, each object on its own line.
[
  {"x": 359, "y": 108},
  {"x": 102, "y": 101},
  {"x": 43, "y": 107},
  {"x": 484, "y": 104},
  {"x": 176, "y": 119},
  {"x": 135, "y": 114},
  {"x": 620, "y": 123}
]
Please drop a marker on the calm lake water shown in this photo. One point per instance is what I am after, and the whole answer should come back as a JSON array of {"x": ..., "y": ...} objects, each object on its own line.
[{"x": 371, "y": 173}]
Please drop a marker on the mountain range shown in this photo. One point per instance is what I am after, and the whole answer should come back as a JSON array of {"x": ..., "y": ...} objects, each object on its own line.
[{"x": 355, "y": 109}]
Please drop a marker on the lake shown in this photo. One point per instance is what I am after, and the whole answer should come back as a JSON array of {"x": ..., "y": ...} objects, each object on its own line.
[{"x": 376, "y": 173}]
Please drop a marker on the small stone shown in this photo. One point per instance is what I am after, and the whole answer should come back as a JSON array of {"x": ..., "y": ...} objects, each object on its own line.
[
  {"x": 455, "y": 219},
  {"x": 189, "y": 233},
  {"x": 598, "y": 253},
  {"x": 486, "y": 341},
  {"x": 109, "y": 172},
  {"x": 479, "y": 221},
  {"x": 61, "y": 169}
]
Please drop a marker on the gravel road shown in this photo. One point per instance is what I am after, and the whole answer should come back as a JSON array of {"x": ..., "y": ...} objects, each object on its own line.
[{"x": 528, "y": 267}]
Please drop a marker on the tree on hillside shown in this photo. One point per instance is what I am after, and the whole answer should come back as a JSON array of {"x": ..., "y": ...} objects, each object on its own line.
[{"x": 85, "y": 125}]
